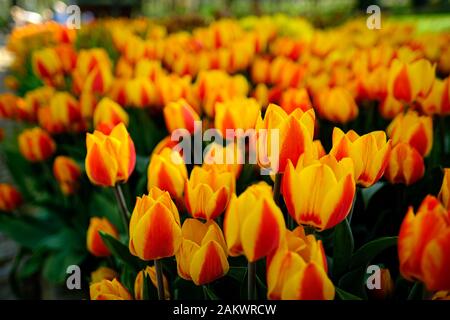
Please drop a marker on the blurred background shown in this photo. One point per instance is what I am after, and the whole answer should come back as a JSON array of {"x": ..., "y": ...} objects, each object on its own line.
[{"x": 186, "y": 14}]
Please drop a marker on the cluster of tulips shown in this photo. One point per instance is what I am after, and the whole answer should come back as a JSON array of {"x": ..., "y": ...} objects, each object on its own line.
[{"x": 356, "y": 111}]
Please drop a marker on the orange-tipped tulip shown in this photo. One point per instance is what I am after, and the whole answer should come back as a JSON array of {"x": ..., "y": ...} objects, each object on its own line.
[
  {"x": 8, "y": 105},
  {"x": 405, "y": 165},
  {"x": 295, "y": 98},
  {"x": 95, "y": 244},
  {"x": 103, "y": 273},
  {"x": 108, "y": 114},
  {"x": 424, "y": 245},
  {"x": 46, "y": 63},
  {"x": 337, "y": 105},
  {"x": 155, "y": 230},
  {"x": 167, "y": 171},
  {"x": 369, "y": 152},
  {"x": 99, "y": 80},
  {"x": 67, "y": 172},
  {"x": 413, "y": 129},
  {"x": 180, "y": 115},
  {"x": 202, "y": 257},
  {"x": 408, "y": 81},
  {"x": 109, "y": 290},
  {"x": 139, "y": 283},
  {"x": 237, "y": 113},
  {"x": 332, "y": 184},
  {"x": 10, "y": 198},
  {"x": 254, "y": 228},
  {"x": 36, "y": 145},
  {"x": 208, "y": 191},
  {"x": 110, "y": 158},
  {"x": 295, "y": 135},
  {"x": 225, "y": 159},
  {"x": 444, "y": 193}
]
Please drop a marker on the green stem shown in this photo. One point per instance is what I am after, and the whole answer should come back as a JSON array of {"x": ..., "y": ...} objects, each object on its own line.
[
  {"x": 276, "y": 188},
  {"x": 251, "y": 280},
  {"x": 125, "y": 214},
  {"x": 159, "y": 279}
]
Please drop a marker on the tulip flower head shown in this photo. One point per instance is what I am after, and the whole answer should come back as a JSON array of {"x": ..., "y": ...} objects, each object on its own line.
[
  {"x": 36, "y": 144},
  {"x": 110, "y": 158},
  {"x": 108, "y": 114},
  {"x": 180, "y": 115},
  {"x": 150, "y": 272},
  {"x": 109, "y": 290},
  {"x": 405, "y": 165},
  {"x": 155, "y": 230},
  {"x": 444, "y": 193},
  {"x": 95, "y": 244},
  {"x": 10, "y": 198},
  {"x": 103, "y": 273},
  {"x": 202, "y": 257},
  {"x": 67, "y": 172}
]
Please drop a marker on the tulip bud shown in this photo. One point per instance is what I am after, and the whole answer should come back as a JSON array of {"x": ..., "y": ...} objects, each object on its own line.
[
  {"x": 8, "y": 104},
  {"x": 110, "y": 158},
  {"x": 155, "y": 230},
  {"x": 180, "y": 115},
  {"x": 237, "y": 113},
  {"x": 208, "y": 191},
  {"x": 423, "y": 245},
  {"x": 36, "y": 145},
  {"x": 65, "y": 110},
  {"x": 441, "y": 295},
  {"x": 168, "y": 172},
  {"x": 413, "y": 129},
  {"x": 95, "y": 244},
  {"x": 202, "y": 257},
  {"x": 386, "y": 286},
  {"x": 407, "y": 81},
  {"x": 332, "y": 179},
  {"x": 10, "y": 198},
  {"x": 329, "y": 99},
  {"x": 108, "y": 114},
  {"x": 139, "y": 283},
  {"x": 295, "y": 135},
  {"x": 109, "y": 290},
  {"x": 405, "y": 165},
  {"x": 46, "y": 63},
  {"x": 433, "y": 103},
  {"x": 390, "y": 107},
  {"x": 226, "y": 159},
  {"x": 103, "y": 273},
  {"x": 67, "y": 172},
  {"x": 34, "y": 100},
  {"x": 140, "y": 92},
  {"x": 369, "y": 152},
  {"x": 295, "y": 98},
  {"x": 98, "y": 80},
  {"x": 444, "y": 193}
]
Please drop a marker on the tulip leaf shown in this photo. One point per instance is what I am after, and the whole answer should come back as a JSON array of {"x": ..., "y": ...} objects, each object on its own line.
[
  {"x": 353, "y": 282},
  {"x": 209, "y": 293},
  {"x": 56, "y": 264},
  {"x": 149, "y": 290},
  {"x": 344, "y": 295},
  {"x": 343, "y": 248},
  {"x": 121, "y": 252},
  {"x": 370, "y": 250},
  {"x": 128, "y": 277}
]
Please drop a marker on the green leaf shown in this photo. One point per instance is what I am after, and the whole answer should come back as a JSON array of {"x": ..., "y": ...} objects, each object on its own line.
[
  {"x": 368, "y": 193},
  {"x": 183, "y": 289},
  {"x": 149, "y": 290},
  {"x": 344, "y": 295},
  {"x": 343, "y": 248},
  {"x": 128, "y": 277},
  {"x": 121, "y": 252},
  {"x": 31, "y": 265},
  {"x": 417, "y": 291},
  {"x": 55, "y": 266},
  {"x": 370, "y": 250},
  {"x": 209, "y": 293},
  {"x": 354, "y": 282}
]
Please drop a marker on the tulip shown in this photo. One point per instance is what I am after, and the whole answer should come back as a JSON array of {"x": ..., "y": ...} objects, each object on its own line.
[
  {"x": 65, "y": 110},
  {"x": 95, "y": 244},
  {"x": 155, "y": 230},
  {"x": 139, "y": 283},
  {"x": 405, "y": 165},
  {"x": 254, "y": 228},
  {"x": 261, "y": 94},
  {"x": 295, "y": 98},
  {"x": 109, "y": 290},
  {"x": 237, "y": 113},
  {"x": 46, "y": 63},
  {"x": 444, "y": 193},
  {"x": 237, "y": 212},
  {"x": 434, "y": 102},
  {"x": 369, "y": 152},
  {"x": 180, "y": 115},
  {"x": 36, "y": 145},
  {"x": 208, "y": 191},
  {"x": 337, "y": 105},
  {"x": 167, "y": 171},
  {"x": 110, "y": 158},
  {"x": 295, "y": 136},
  {"x": 108, "y": 114},
  {"x": 8, "y": 104},
  {"x": 98, "y": 80},
  {"x": 140, "y": 92},
  {"x": 225, "y": 159},
  {"x": 441, "y": 295},
  {"x": 390, "y": 107},
  {"x": 103, "y": 273},
  {"x": 10, "y": 198},
  {"x": 386, "y": 286},
  {"x": 299, "y": 253},
  {"x": 202, "y": 257},
  {"x": 88, "y": 62},
  {"x": 332, "y": 183},
  {"x": 34, "y": 100},
  {"x": 408, "y": 81},
  {"x": 67, "y": 172},
  {"x": 413, "y": 129},
  {"x": 67, "y": 56},
  {"x": 423, "y": 245}
]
